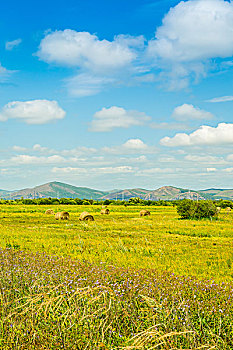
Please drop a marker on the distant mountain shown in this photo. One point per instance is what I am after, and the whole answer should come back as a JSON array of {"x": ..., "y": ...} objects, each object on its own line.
[
  {"x": 165, "y": 193},
  {"x": 4, "y": 193},
  {"x": 62, "y": 190},
  {"x": 55, "y": 190},
  {"x": 214, "y": 193}
]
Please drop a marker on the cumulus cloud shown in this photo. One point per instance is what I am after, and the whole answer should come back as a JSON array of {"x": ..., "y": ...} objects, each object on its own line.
[
  {"x": 191, "y": 35},
  {"x": 32, "y": 112},
  {"x": 85, "y": 50},
  {"x": 131, "y": 146},
  {"x": 10, "y": 45},
  {"x": 27, "y": 159},
  {"x": 204, "y": 159},
  {"x": 220, "y": 99},
  {"x": 204, "y": 135},
  {"x": 116, "y": 117},
  {"x": 100, "y": 63},
  {"x": 189, "y": 112},
  {"x": 211, "y": 170},
  {"x": 94, "y": 171}
]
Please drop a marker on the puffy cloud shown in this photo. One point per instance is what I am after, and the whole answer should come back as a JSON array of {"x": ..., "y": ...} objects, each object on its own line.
[
  {"x": 189, "y": 112},
  {"x": 19, "y": 149},
  {"x": 192, "y": 34},
  {"x": 221, "y": 99},
  {"x": 204, "y": 159},
  {"x": 85, "y": 50},
  {"x": 27, "y": 159},
  {"x": 94, "y": 171},
  {"x": 117, "y": 117},
  {"x": 211, "y": 170},
  {"x": 10, "y": 45},
  {"x": 32, "y": 112},
  {"x": 132, "y": 146},
  {"x": 100, "y": 62},
  {"x": 205, "y": 135}
]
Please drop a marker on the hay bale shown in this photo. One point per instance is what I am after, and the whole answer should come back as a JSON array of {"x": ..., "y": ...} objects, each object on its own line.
[
  {"x": 218, "y": 209},
  {"x": 85, "y": 216},
  {"x": 49, "y": 212},
  {"x": 144, "y": 212},
  {"x": 105, "y": 211},
  {"x": 62, "y": 215},
  {"x": 228, "y": 209}
]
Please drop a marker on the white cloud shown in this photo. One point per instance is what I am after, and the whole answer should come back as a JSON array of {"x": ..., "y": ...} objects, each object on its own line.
[
  {"x": 4, "y": 73},
  {"x": 169, "y": 126},
  {"x": 191, "y": 35},
  {"x": 230, "y": 157},
  {"x": 85, "y": 50},
  {"x": 100, "y": 63},
  {"x": 204, "y": 159},
  {"x": 189, "y": 112},
  {"x": 86, "y": 84},
  {"x": 132, "y": 146},
  {"x": 221, "y": 99},
  {"x": 211, "y": 170},
  {"x": 94, "y": 171},
  {"x": 19, "y": 149},
  {"x": 204, "y": 135},
  {"x": 10, "y": 45},
  {"x": 135, "y": 144},
  {"x": 27, "y": 159},
  {"x": 39, "y": 148},
  {"x": 116, "y": 117},
  {"x": 32, "y": 112}
]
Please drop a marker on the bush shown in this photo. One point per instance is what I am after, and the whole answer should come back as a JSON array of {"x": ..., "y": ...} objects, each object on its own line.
[{"x": 189, "y": 209}]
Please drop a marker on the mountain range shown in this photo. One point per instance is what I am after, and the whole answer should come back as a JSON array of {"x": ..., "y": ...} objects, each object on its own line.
[{"x": 62, "y": 190}]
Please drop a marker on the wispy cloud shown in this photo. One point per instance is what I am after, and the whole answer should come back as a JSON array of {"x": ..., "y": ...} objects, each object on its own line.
[
  {"x": 10, "y": 45},
  {"x": 220, "y": 99}
]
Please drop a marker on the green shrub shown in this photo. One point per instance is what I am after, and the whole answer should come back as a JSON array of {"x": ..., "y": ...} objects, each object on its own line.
[{"x": 189, "y": 209}]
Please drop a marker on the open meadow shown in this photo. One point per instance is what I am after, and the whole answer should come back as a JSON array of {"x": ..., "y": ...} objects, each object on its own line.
[{"x": 119, "y": 282}]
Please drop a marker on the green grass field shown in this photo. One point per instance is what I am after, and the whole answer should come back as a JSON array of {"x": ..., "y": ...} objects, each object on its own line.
[{"x": 142, "y": 282}]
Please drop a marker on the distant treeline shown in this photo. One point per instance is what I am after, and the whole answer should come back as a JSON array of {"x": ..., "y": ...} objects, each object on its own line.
[{"x": 132, "y": 201}]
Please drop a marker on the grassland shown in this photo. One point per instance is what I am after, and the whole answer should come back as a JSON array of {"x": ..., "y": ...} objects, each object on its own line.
[{"x": 120, "y": 282}]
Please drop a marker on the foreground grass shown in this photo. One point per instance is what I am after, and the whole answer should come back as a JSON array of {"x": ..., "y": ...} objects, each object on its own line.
[
  {"x": 185, "y": 247},
  {"x": 49, "y": 302},
  {"x": 120, "y": 282}
]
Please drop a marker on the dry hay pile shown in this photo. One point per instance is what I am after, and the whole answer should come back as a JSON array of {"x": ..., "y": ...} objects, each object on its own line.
[
  {"x": 218, "y": 209},
  {"x": 144, "y": 212},
  {"x": 105, "y": 211},
  {"x": 49, "y": 212},
  {"x": 85, "y": 216},
  {"x": 63, "y": 215}
]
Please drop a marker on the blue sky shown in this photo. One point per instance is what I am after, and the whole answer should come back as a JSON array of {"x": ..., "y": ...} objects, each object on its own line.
[{"x": 109, "y": 94}]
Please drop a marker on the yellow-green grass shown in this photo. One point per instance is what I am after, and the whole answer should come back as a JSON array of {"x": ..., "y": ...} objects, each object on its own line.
[{"x": 162, "y": 241}]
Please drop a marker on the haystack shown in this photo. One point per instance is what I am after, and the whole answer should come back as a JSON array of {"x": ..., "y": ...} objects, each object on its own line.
[
  {"x": 49, "y": 212},
  {"x": 228, "y": 209},
  {"x": 63, "y": 215},
  {"x": 144, "y": 212},
  {"x": 105, "y": 211},
  {"x": 85, "y": 216},
  {"x": 218, "y": 209}
]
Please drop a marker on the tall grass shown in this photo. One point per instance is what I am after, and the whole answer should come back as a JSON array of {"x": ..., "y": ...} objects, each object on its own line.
[{"x": 120, "y": 282}]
